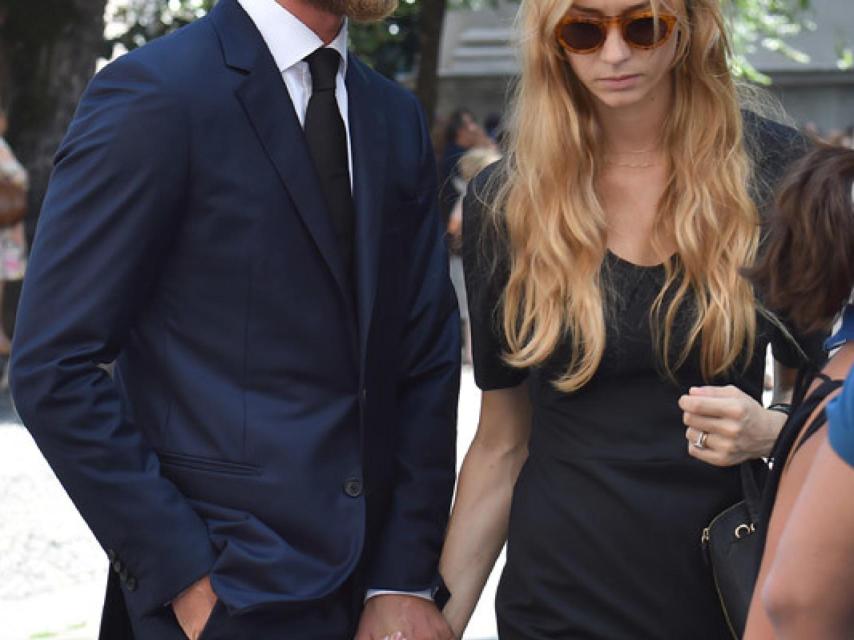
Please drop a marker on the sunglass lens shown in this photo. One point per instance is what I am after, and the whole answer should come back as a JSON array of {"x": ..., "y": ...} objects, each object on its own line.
[
  {"x": 582, "y": 36},
  {"x": 646, "y": 32}
]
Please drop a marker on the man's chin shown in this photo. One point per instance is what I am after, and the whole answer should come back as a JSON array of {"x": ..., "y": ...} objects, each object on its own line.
[
  {"x": 369, "y": 10},
  {"x": 359, "y": 10}
]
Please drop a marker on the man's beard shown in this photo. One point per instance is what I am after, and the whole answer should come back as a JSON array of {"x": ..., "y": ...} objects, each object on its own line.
[{"x": 359, "y": 10}]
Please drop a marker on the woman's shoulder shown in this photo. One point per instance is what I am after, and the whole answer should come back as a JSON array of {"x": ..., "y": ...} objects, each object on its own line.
[
  {"x": 484, "y": 235},
  {"x": 769, "y": 141},
  {"x": 480, "y": 198},
  {"x": 483, "y": 188},
  {"x": 773, "y": 147}
]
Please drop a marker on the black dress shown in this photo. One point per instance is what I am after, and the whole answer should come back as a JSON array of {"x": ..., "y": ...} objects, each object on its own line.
[{"x": 608, "y": 510}]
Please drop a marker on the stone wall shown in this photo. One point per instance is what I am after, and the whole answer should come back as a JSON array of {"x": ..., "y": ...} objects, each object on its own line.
[{"x": 824, "y": 99}]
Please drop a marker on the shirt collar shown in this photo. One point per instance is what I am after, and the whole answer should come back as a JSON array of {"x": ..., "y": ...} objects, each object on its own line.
[{"x": 288, "y": 39}]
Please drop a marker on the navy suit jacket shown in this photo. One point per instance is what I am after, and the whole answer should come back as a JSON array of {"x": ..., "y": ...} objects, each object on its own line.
[{"x": 263, "y": 424}]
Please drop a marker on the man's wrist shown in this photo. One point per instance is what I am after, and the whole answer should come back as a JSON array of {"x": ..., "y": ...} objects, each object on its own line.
[
  {"x": 426, "y": 594},
  {"x": 202, "y": 585}
]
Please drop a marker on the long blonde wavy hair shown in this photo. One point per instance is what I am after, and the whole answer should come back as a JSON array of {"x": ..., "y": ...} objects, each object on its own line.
[{"x": 546, "y": 201}]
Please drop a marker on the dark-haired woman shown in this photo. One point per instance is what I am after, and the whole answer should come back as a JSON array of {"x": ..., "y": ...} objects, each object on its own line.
[{"x": 807, "y": 574}]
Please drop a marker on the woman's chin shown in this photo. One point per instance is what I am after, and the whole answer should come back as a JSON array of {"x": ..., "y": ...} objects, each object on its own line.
[{"x": 619, "y": 99}]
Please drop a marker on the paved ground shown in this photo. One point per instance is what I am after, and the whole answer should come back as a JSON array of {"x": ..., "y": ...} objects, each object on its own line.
[{"x": 52, "y": 572}]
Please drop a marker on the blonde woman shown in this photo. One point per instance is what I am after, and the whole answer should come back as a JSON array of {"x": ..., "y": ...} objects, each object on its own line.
[{"x": 620, "y": 353}]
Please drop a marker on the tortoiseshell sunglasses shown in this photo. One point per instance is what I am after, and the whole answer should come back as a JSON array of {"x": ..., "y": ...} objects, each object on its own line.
[{"x": 641, "y": 30}]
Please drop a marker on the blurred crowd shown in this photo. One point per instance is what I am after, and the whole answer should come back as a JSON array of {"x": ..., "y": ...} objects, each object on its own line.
[
  {"x": 463, "y": 148},
  {"x": 835, "y": 137}
]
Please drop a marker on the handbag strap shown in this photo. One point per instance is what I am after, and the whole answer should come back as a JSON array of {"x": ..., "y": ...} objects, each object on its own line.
[
  {"x": 805, "y": 405},
  {"x": 750, "y": 489},
  {"x": 828, "y": 386}
]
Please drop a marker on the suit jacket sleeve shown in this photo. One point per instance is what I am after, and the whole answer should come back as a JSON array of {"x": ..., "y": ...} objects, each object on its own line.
[
  {"x": 407, "y": 556},
  {"x": 112, "y": 206}
]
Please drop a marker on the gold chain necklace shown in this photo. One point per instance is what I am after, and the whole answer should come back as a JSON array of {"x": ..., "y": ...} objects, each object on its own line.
[
  {"x": 643, "y": 165},
  {"x": 632, "y": 165}
]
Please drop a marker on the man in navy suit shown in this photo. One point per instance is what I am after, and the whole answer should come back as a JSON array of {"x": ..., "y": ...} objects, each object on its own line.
[{"x": 242, "y": 216}]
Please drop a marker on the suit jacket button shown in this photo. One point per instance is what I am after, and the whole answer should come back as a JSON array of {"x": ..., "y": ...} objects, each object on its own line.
[
  {"x": 130, "y": 584},
  {"x": 353, "y": 487},
  {"x": 111, "y": 555},
  {"x": 118, "y": 566}
]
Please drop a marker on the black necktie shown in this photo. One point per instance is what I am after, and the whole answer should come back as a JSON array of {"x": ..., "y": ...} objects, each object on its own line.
[{"x": 327, "y": 143}]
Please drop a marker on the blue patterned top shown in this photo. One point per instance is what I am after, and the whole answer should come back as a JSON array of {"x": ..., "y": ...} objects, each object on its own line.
[
  {"x": 840, "y": 414},
  {"x": 840, "y": 411}
]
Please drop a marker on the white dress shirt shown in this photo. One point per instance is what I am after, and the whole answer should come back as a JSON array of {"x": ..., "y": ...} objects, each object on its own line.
[{"x": 290, "y": 41}]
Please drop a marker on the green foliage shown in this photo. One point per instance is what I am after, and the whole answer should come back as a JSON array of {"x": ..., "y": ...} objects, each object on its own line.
[
  {"x": 149, "y": 19},
  {"x": 391, "y": 46},
  {"x": 766, "y": 23}
]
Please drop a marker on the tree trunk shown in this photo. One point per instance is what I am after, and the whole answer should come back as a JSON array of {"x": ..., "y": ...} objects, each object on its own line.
[
  {"x": 430, "y": 25},
  {"x": 47, "y": 69},
  {"x": 48, "y": 52}
]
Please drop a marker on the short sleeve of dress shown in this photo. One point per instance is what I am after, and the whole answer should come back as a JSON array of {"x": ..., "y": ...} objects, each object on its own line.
[
  {"x": 774, "y": 148},
  {"x": 486, "y": 267},
  {"x": 840, "y": 415}
]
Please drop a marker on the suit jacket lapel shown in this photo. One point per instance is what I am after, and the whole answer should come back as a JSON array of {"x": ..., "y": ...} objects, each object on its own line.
[
  {"x": 268, "y": 106},
  {"x": 368, "y": 136}
]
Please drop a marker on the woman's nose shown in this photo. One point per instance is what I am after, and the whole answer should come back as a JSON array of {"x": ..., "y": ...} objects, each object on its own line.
[{"x": 616, "y": 49}]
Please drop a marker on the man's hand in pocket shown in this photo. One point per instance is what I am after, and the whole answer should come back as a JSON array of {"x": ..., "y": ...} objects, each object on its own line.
[{"x": 194, "y": 606}]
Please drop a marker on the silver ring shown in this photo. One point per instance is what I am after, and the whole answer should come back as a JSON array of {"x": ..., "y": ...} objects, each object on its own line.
[{"x": 701, "y": 440}]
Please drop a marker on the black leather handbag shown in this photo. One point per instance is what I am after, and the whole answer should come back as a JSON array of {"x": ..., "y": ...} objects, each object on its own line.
[{"x": 734, "y": 551}]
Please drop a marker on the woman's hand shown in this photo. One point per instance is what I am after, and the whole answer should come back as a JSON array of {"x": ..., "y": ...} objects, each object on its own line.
[{"x": 737, "y": 428}]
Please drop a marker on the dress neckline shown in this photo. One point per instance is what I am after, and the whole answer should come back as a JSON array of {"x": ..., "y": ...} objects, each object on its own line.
[{"x": 633, "y": 265}]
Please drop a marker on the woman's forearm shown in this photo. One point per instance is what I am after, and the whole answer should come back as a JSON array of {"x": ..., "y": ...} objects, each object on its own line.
[{"x": 478, "y": 526}]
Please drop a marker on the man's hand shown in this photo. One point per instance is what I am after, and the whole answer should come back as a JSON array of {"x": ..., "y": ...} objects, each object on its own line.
[
  {"x": 414, "y": 618},
  {"x": 194, "y": 606}
]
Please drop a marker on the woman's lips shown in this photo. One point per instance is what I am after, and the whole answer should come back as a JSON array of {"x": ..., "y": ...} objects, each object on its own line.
[{"x": 620, "y": 82}]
